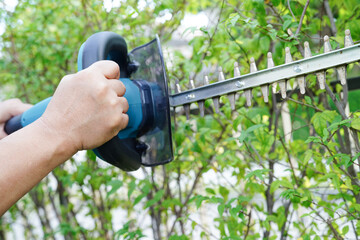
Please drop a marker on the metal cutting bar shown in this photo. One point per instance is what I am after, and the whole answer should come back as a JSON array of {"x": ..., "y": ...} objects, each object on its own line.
[{"x": 313, "y": 64}]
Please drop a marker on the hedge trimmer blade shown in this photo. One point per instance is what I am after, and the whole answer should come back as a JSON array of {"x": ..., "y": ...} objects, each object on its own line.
[{"x": 274, "y": 77}]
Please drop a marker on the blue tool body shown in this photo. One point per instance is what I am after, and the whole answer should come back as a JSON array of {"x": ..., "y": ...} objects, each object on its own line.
[{"x": 132, "y": 94}]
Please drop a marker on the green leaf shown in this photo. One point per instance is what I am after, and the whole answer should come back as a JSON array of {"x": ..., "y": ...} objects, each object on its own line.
[
  {"x": 314, "y": 139},
  {"x": 325, "y": 134},
  {"x": 138, "y": 199},
  {"x": 308, "y": 100},
  {"x": 199, "y": 199},
  {"x": 234, "y": 19},
  {"x": 224, "y": 191},
  {"x": 356, "y": 123},
  {"x": 320, "y": 120},
  {"x": 155, "y": 199},
  {"x": 115, "y": 185},
  {"x": 286, "y": 24},
  {"x": 190, "y": 29},
  {"x": 245, "y": 134},
  {"x": 265, "y": 44},
  {"x": 131, "y": 188},
  {"x": 258, "y": 173},
  {"x": 221, "y": 208},
  {"x": 345, "y": 230},
  {"x": 307, "y": 156},
  {"x": 210, "y": 190}
]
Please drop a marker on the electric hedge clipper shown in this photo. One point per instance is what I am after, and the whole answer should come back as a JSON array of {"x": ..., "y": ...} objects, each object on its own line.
[{"x": 147, "y": 138}]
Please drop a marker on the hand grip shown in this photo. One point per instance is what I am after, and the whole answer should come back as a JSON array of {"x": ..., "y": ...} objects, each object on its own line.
[
  {"x": 27, "y": 117},
  {"x": 13, "y": 124}
]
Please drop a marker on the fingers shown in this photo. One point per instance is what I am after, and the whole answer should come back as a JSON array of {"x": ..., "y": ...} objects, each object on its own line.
[
  {"x": 109, "y": 69},
  {"x": 117, "y": 86},
  {"x": 11, "y": 108},
  {"x": 18, "y": 108},
  {"x": 124, "y": 104}
]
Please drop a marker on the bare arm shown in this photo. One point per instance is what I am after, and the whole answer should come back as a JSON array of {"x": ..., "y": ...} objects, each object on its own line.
[{"x": 86, "y": 111}]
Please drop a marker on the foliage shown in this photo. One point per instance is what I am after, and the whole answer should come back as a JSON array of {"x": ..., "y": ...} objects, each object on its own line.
[{"x": 234, "y": 176}]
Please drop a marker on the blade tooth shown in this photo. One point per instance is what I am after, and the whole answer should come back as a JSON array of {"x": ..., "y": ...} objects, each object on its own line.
[
  {"x": 192, "y": 84},
  {"x": 202, "y": 108},
  {"x": 247, "y": 92},
  {"x": 265, "y": 93},
  {"x": 253, "y": 67},
  {"x": 307, "y": 54},
  {"x": 321, "y": 76},
  {"x": 178, "y": 89},
  {"x": 301, "y": 81},
  {"x": 202, "y": 103},
  {"x": 187, "y": 109},
  {"x": 216, "y": 100},
  {"x": 327, "y": 45},
  {"x": 206, "y": 80},
  {"x": 236, "y": 70},
  {"x": 307, "y": 50},
  {"x": 348, "y": 39},
  {"x": 216, "y": 104},
  {"x": 264, "y": 88},
  {"x": 288, "y": 57},
  {"x": 186, "y": 106},
  {"x": 221, "y": 75},
  {"x": 248, "y": 96},
  {"x": 282, "y": 85},
  {"x": 270, "y": 64},
  {"x": 341, "y": 70},
  {"x": 231, "y": 96}
]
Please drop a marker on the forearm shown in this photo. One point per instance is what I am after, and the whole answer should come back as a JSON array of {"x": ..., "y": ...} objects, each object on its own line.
[{"x": 26, "y": 157}]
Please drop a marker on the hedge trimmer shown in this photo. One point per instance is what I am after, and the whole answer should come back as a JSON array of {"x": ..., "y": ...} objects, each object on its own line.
[{"x": 147, "y": 138}]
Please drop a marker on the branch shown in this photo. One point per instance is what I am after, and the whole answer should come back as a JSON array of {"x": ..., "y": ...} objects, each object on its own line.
[
  {"x": 331, "y": 17},
  {"x": 302, "y": 17},
  {"x": 288, "y": 3}
]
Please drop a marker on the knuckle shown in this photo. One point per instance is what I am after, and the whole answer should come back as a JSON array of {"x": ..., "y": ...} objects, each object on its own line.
[
  {"x": 125, "y": 120},
  {"x": 84, "y": 74},
  {"x": 113, "y": 103},
  {"x": 102, "y": 89},
  {"x": 124, "y": 104},
  {"x": 113, "y": 65}
]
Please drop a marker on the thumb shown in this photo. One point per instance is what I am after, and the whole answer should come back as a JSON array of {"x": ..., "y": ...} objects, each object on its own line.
[{"x": 109, "y": 69}]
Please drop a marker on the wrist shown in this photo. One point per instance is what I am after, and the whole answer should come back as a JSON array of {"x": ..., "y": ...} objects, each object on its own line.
[{"x": 62, "y": 147}]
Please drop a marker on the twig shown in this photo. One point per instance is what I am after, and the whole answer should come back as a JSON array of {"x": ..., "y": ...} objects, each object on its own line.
[
  {"x": 248, "y": 226},
  {"x": 288, "y": 3},
  {"x": 304, "y": 104},
  {"x": 302, "y": 17},
  {"x": 331, "y": 17}
]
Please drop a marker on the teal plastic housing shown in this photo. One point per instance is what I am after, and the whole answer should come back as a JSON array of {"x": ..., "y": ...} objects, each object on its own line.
[
  {"x": 34, "y": 112},
  {"x": 133, "y": 96},
  {"x": 135, "y": 114}
]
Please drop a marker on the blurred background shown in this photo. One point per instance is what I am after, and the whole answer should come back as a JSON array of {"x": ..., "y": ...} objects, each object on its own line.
[{"x": 254, "y": 173}]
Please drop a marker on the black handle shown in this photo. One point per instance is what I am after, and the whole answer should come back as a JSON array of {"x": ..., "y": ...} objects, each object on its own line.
[
  {"x": 13, "y": 124},
  {"x": 122, "y": 153}
]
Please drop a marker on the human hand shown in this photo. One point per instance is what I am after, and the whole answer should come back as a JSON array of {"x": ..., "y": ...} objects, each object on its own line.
[
  {"x": 9, "y": 109},
  {"x": 88, "y": 108}
]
